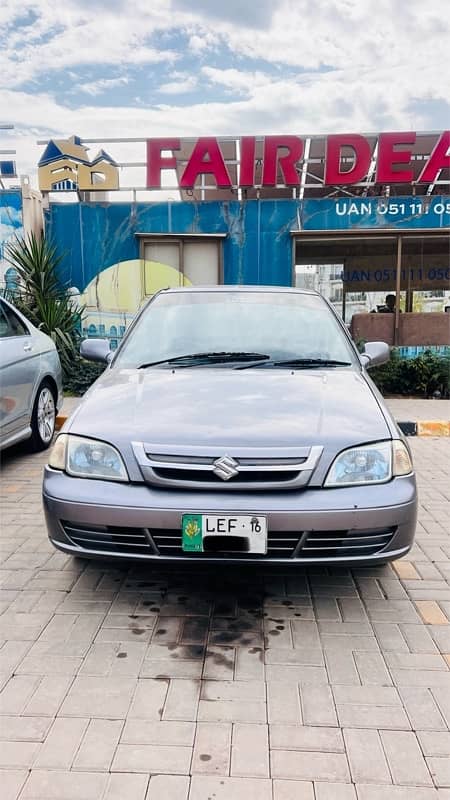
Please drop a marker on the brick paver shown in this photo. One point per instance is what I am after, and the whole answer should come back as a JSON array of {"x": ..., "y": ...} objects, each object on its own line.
[{"x": 325, "y": 684}]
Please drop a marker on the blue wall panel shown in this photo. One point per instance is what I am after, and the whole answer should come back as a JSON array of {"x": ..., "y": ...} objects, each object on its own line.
[
  {"x": 258, "y": 244},
  {"x": 257, "y": 248}
]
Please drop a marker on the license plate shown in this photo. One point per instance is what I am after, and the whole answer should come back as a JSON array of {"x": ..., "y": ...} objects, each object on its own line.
[{"x": 246, "y": 533}]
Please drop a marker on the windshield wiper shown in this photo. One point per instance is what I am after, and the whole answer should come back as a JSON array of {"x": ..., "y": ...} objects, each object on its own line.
[
  {"x": 207, "y": 358},
  {"x": 299, "y": 362}
]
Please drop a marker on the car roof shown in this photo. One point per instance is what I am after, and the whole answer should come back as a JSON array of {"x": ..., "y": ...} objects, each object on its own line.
[
  {"x": 19, "y": 313},
  {"x": 8, "y": 303},
  {"x": 241, "y": 288}
]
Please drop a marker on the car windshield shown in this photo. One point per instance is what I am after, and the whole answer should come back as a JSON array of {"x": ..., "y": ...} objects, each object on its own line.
[{"x": 265, "y": 325}]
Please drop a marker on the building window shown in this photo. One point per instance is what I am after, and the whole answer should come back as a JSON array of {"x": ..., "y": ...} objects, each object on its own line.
[
  {"x": 336, "y": 294},
  {"x": 181, "y": 262}
]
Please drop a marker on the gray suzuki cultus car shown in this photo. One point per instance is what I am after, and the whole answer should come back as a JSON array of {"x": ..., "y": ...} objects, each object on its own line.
[{"x": 233, "y": 424}]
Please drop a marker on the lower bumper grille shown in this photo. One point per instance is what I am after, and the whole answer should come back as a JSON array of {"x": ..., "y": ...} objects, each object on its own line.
[
  {"x": 109, "y": 538},
  {"x": 329, "y": 544},
  {"x": 280, "y": 544}
]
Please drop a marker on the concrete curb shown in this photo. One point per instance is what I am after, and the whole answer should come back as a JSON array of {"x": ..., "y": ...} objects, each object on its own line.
[{"x": 435, "y": 427}]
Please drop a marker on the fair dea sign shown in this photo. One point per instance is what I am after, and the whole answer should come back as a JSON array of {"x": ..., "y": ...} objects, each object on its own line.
[{"x": 269, "y": 161}]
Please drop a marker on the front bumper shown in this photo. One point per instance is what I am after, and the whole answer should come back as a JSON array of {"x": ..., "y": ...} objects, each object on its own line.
[{"x": 100, "y": 519}]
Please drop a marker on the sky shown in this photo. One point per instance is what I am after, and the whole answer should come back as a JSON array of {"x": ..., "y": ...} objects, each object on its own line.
[{"x": 143, "y": 68}]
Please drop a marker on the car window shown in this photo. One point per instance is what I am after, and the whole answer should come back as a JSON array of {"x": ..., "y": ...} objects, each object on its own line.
[
  {"x": 284, "y": 325},
  {"x": 10, "y": 324}
]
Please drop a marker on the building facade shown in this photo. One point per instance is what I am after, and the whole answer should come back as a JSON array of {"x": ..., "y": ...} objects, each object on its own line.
[{"x": 353, "y": 217}]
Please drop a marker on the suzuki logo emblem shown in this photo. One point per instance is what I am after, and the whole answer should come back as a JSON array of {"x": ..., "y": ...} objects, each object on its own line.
[{"x": 226, "y": 467}]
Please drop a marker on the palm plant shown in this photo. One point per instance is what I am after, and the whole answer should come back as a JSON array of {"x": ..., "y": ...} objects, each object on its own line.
[{"x": 41, "y": 297}]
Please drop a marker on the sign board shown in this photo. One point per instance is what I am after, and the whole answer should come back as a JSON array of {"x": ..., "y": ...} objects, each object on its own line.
[
  {"x": 254, "y": 167},
  {"x": 269, "y": 161},
  {"x": 65, "y": 166},
  {"x": 352, "y": 213},
  {"x": 372, "y": 277}
]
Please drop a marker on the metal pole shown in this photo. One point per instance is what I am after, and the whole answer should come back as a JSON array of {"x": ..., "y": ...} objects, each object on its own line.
[
  {"x": 397, "y": 290},
  {"x": 409, "y": 292},
  {"x": 343, "y": 291}
]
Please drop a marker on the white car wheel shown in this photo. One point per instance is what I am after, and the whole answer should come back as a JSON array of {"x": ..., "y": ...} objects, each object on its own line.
[{"x": 43, "y": 418}]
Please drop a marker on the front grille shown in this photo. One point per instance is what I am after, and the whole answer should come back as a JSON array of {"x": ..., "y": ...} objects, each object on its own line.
[
  {"x": 242, "y": 468},
  {"x": 109, "y": 538},
  {"x": 331, "y": 544},
  {"x": 280, "y": 544},
  {"x": 192, "y": 477}
]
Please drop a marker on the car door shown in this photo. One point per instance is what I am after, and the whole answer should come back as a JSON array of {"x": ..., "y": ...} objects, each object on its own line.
[{"x": 19, "y": 371}]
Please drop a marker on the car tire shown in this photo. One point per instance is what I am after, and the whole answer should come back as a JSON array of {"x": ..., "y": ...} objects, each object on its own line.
[{"x": 43, "y": 418}]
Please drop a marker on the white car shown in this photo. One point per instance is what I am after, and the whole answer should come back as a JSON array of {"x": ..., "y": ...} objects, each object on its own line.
[{"x": 30, "y": 381}]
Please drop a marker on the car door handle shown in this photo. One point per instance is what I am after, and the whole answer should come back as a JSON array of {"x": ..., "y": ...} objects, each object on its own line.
[{"x": 27, "y": 348}]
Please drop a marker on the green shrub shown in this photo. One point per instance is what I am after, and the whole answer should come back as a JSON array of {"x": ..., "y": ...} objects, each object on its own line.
[
  {"x": 81, "y": 376},
  {"x": 40, "y": 296},
  {"x": 421, "y": 376}
]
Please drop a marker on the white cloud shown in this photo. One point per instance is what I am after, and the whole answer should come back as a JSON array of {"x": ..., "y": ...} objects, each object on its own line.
[
  {"x": 102, "y": 85},
  {"x": 328, "y": 66},
  {"x": 180, "y": 84},
  {"x": 74, "y": 35},
  {"x": 240, "y": 81},
  {"x": 253, "y": 15},
  {"x": 297, "y": 33},
  {"x": 346, "y": 32},
  {"x": 203, "y": 41}
]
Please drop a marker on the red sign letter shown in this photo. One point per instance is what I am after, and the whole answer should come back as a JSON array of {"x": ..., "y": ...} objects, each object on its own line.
[
  {"x": 247, "y": 171},
  {"x": 287, "y": 163},
  {"x": 437, "y": 161},
  {"x": 155, "y": 161},
  {"x": 388, "y": 157},
  {"x": 361, "y": 148},
  {"x": 215, "y": 165}
]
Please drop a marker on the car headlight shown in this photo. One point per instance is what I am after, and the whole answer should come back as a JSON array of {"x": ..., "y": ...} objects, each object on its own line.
[
  {"x": 87, "y": 458},
  {"x": 371, "y": 463}
]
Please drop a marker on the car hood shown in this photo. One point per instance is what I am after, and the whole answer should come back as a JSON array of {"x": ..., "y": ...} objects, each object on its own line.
[{"x": 258, "y": 407}]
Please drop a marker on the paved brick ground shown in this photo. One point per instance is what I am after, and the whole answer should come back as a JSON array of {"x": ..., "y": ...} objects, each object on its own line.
[
  {"x": 328, "y": 684},
  {"x": 414, "y": 408}
]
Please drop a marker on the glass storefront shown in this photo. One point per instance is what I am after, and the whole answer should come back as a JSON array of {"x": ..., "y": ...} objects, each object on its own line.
[{"x": 355, "y": 272}]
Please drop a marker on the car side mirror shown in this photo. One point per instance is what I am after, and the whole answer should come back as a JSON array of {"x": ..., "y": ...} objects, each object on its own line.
[
  {"x": 96, "y": 350},
  {"x": 374, "y": 354}
]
